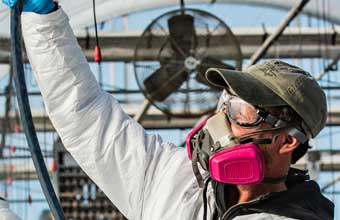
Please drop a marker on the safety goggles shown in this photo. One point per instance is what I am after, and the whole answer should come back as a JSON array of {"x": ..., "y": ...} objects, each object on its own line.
[
  {"x": 246, "y": 115},
  {"x": 242, "y": 113}
]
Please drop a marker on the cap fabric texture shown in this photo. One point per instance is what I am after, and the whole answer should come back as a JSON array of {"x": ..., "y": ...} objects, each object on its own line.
[{"x": 276, "y": 83}]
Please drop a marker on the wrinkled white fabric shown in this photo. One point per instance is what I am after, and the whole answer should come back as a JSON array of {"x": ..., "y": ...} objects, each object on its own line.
[
  {"x": 6, "y": 213},
  {"x": 146, "y": 178},
  {"x": 143, "y": 176}
]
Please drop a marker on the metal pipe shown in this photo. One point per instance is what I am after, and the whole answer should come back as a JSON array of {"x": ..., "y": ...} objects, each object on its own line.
[
  {"x": 331, "y": 183},
  {"x": 145, "y": 108},
  {"x": 21, "y": 157},
  {"x": 6, "y": 125},
  {"x": 119, "y": 91},
  {"x": 273, "y": 37},
  {"x": 329, "y": 67},
  {"x": 26, "y": 201}
]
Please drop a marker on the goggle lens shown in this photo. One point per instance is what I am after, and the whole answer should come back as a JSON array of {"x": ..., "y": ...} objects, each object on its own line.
[{"x": 241, "y": 112}]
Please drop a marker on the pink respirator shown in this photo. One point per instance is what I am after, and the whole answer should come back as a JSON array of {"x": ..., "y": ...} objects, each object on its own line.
[{"x": 213, "y": 145}]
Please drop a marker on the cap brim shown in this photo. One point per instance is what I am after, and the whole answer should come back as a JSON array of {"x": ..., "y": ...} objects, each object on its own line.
[{"x": 245, "y": 86}]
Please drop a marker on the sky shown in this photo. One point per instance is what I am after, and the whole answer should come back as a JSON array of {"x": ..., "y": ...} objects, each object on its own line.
[{"x": 234, "y": 16}]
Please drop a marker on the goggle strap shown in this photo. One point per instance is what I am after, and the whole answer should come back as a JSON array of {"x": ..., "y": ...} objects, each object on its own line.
[
  {"x": 276, "y": 122},
  {"x": 196, "y": 170},
  {"x": 270, "y": 119},
  {"x": 297, "y": 134}
]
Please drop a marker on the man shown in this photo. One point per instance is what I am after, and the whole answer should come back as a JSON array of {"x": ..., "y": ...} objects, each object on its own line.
[
  {"x": 149, "y": 179},
  {"x": 5, "y": 212}
]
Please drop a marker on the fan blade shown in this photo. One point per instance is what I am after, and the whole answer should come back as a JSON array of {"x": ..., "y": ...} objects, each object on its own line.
[
  {"x": 182, "y": 35},
  {"x": 205, "y": 64},
  {"x": 165, "y": 80}
]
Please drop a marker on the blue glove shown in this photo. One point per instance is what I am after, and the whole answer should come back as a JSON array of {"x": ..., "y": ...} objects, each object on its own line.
[{"x": 37, "y": 6}]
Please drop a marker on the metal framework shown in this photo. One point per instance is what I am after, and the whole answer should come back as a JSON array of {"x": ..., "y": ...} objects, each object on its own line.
[
  {"x": 79, "y": 196},
  {"x": 155, "y": 119},
  {"x": 326, "y": 160},
  {"x": 294, "y": 43}
]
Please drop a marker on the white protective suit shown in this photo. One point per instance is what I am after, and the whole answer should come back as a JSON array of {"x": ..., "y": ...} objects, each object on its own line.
[
  {"x": 6, "y": 213},
  {"x": 144, "y": 177}
]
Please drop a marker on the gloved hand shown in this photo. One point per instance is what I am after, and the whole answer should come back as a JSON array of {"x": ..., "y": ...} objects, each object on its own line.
[{"x": 37, "y": 6}]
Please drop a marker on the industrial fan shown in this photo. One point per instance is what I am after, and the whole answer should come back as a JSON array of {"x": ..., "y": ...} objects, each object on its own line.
[{"x": 173, "y": 54}]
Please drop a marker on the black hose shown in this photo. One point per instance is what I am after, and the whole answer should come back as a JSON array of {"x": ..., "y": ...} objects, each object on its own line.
[
  {"x": 95, "y": 21},
  {"x": 26, "y": 116},
  {"x": 205, "y": 199}
]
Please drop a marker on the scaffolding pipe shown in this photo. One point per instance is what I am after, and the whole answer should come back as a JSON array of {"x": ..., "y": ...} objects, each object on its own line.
[
  {"x": 145, "y": 108},
  {"x": 329, "y": 67},
  {"x": 323, "y": 189},
  {"x": 273, "y": 37}
]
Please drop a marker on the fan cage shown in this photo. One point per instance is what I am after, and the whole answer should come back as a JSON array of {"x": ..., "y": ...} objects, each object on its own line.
[{"x": 154, "y": 50}]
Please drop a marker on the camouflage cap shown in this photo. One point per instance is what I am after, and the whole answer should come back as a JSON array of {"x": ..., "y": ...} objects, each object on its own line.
[{"x": 276, "y": 83}]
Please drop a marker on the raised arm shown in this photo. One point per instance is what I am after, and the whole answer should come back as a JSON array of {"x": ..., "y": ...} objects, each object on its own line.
[{"x": 109, "y": 146}]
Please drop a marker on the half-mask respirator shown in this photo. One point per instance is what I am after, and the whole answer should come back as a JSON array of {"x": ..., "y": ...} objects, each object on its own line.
[{"x": 228, "y": 158}]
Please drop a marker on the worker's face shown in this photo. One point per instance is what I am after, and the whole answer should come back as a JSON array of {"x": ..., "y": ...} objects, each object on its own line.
[{"x": 245, "y": 120}]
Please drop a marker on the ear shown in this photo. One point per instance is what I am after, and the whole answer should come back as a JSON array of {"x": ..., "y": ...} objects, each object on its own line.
[{"x": 289, "y": 145}]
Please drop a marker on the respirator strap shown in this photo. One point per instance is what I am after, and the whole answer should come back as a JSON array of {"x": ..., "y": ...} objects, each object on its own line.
[
  {"x": 194, "y": 163},
  {"x": 258, "y": 140},
  {"x": 247, "y": 136},
  {"x": 205, "y": 199},
  {"x": 269, "y": 180}
]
